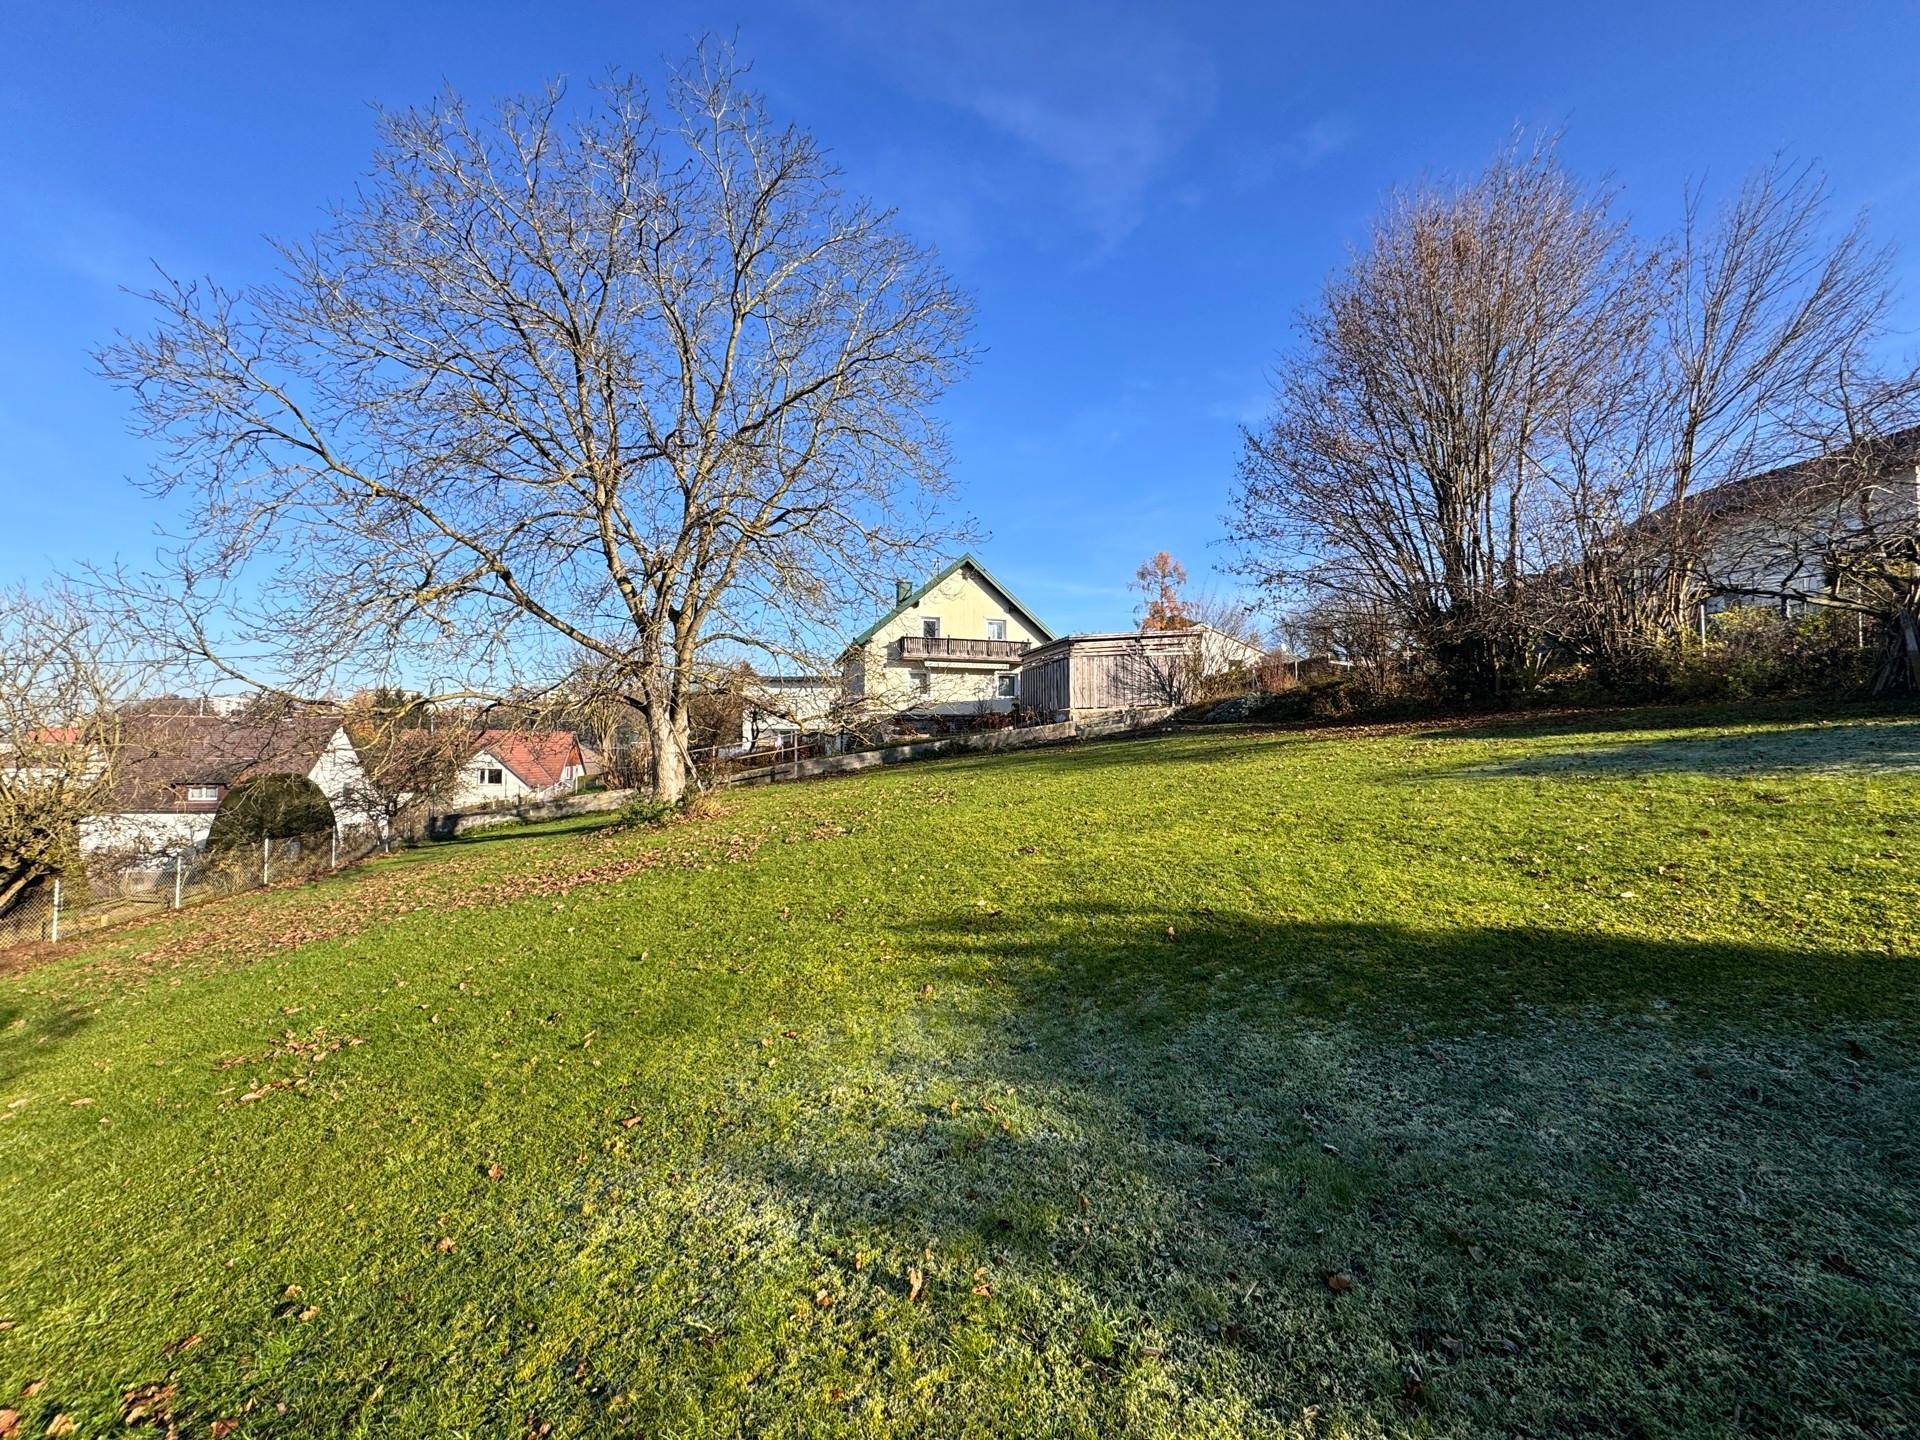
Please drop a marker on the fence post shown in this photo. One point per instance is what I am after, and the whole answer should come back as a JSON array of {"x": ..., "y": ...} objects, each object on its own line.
[
  {"x": 333, "y": 851},
  {"x": 179, "y": 874},
  {"x": 266, "y": 848},
  {"x": 54, "y": 933}
]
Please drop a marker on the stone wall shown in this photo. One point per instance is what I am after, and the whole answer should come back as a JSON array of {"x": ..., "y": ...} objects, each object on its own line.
[{"x": 1084, "y": 727}]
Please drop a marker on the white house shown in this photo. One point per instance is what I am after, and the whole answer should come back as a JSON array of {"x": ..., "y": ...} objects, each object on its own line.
[
  {"x": 511, "y": 766},
  {"x": 1773, "y": 538},
  {"x": 782, "y": 708},
  {"x": 172, "y": 772}
]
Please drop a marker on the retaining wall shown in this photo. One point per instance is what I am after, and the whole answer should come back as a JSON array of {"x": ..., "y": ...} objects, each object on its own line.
[{"x": 1082, "y": 727}]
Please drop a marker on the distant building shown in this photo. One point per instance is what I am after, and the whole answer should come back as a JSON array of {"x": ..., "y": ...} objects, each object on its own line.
[
  {"x": 509, "y": 766},
  {"x": 1772, "y": 539},
  {"x": 172, "y": 771},
  {"x": 782, "y": 708},
  {"x": 1128, "y": 669},
  {"x": 950, "y": 647}
]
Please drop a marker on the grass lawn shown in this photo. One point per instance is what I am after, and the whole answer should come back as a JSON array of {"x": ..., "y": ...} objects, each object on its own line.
[{"x": 1517, "y": 1081}]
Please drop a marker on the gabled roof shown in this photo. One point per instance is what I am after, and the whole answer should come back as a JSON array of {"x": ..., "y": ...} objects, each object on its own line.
[
  {"x": 964, "y": 562},
  {"x": 539, "y": 757},
  {"x": 162, "y": 754},
  {"x": 1814, "y": 478}
]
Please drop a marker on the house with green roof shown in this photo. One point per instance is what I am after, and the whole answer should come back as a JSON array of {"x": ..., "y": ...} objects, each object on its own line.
[{"x": 950, "y": 647}]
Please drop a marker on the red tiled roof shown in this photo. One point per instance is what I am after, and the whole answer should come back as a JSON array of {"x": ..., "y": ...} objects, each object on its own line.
[{"x": 539, "y": 757}]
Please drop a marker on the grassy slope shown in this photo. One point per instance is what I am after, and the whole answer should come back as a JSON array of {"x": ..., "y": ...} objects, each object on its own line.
[{"x": 1587, "y": 1056}]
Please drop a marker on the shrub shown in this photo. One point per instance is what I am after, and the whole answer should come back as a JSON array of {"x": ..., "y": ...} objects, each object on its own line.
[
  {"x": 1753, "y": 652},
  {"x": 269, "y": 807}
]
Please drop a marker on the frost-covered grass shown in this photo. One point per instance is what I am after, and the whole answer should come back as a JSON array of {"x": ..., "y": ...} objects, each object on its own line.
[{"x": 1513, "y": 1081}]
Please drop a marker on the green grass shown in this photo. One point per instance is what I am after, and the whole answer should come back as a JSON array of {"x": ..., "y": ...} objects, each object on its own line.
[{"x": 1582, "y": 1058}]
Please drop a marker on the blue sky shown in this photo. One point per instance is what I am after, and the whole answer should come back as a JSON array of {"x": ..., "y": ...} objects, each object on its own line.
[{"x": 1138, "y": 198}]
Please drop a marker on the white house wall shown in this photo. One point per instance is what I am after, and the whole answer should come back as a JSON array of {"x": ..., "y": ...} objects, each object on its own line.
[{"x": 472, "y": 791}]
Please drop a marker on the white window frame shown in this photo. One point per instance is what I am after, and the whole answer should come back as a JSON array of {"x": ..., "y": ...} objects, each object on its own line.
[
  {"x": 923, "y": 681},
  {"x": 493, "y": 775},
  {"x": 930, "y": 627},
  {"x": 996, "y": 627},
  {"x": 199, "y": 794},
  {"x": 1006, "y": 686}
]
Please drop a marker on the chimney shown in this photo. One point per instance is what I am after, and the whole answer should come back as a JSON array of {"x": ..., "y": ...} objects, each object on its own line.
[{"x": 901, "y": 590}]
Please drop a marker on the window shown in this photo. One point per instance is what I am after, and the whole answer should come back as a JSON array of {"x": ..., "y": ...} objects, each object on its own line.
[
  {"x": 1008, "y": 686},
  {"x": 922, "y": 681},
  {"x": 930, "y": 627},
  {"x": 857, "y": 679},
  {"x": 490, "y": 775},
  {"x": 203, "y": 792},
  {"x": 996, "y": 629}
]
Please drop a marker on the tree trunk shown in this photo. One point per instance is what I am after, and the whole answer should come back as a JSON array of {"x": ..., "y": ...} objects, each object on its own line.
[
  {"x": 1900, "y": 670},
  {"x": 669, "y": 759}
]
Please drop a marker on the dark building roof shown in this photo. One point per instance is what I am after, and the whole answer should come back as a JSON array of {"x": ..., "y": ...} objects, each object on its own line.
[
  {"x": 161, "y": 755},
  {"x": 1752, "y": 493}
]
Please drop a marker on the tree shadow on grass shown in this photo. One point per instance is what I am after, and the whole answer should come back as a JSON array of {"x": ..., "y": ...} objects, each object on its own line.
[
  {"x": 1247, "y": 1175},
  {"x": 27, "y": 1035},
  {"x": 1887, "y": 747}
]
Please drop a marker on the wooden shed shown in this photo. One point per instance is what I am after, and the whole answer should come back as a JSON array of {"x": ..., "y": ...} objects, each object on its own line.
[{"x": 1124, "y": 670}]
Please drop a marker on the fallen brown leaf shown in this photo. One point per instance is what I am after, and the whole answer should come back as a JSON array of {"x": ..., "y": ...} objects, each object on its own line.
[
  {"x": 61, "y": 1425},
  {"x": 151, "y": 1403},
  {"x": 916, "y": 1282},
  {"x": 1338, "y": 1281},
  {"x": 444, "y": 1244},
  {"x": 9, "y": 1424},
  {"x": 224, "y": 1428},
  {"x": 494, "y": 1172}
]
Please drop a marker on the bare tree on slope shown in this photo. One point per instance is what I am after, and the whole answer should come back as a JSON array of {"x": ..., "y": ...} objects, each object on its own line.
[{"x": 603, "y": 391}]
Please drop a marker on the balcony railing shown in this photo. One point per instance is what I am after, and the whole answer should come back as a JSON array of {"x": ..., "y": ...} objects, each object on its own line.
[{"x": 948, "y": 647}]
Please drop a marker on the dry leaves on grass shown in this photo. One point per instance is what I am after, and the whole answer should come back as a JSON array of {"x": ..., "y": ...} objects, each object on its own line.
[
  {"x": 149, "y": 1404},
  {"x": 380, "y": 894}
]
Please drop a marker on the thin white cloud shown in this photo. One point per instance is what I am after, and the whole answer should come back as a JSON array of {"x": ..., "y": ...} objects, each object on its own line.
[
  {"x": 1318, "y": 139},
  {"x": 1102, "y": 100},
  {"x": 1305, "y": 146},
  {"x": 93, "y": 242}
]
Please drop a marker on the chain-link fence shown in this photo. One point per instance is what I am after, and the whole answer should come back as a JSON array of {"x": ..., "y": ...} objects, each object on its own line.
[{"x": 113, "y": 890}]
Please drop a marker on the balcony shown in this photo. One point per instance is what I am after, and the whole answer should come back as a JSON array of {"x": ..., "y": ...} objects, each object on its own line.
[{"x": 948, "y": 647}]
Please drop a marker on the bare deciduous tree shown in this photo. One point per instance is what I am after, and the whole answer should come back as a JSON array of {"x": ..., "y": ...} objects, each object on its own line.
[
  {"x": 1757, "y": 317},
  {"x": 410, "y": 757},
  {"x": 618, "y": 393},
  {"x": 1400, "y": 467},
  {"x": 62, "y": 678},
  {"x": 1508, "y": 421}
]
